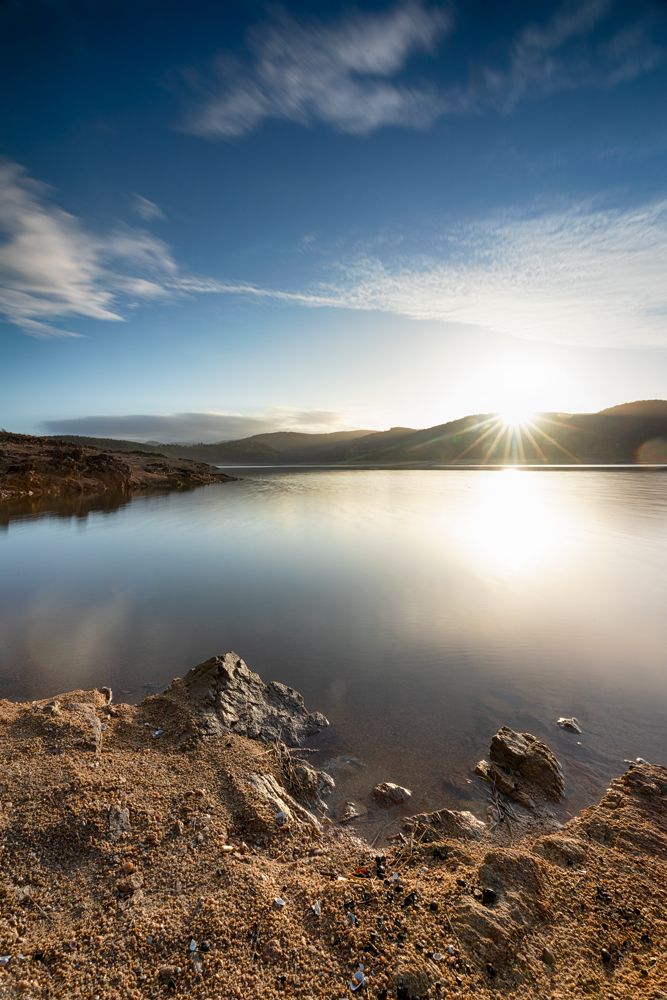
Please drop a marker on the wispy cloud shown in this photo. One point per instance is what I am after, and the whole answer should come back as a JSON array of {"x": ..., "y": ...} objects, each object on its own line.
[
  {"x": 578, "y": 276},
  {"x": 145, "y": 209},
  {"x": 207, "y": 427},
  {"x": 344, "y": 74},
  {"x": 337, "y": 73},
  {"x": 52, "y": 268}
]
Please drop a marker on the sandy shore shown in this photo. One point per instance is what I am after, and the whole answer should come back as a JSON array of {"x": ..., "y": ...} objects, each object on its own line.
[{"x": 141, "y": 858}]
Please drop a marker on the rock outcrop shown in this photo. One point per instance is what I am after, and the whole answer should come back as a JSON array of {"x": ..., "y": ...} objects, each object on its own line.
[
  {"x": 227, "y": 697},
  {"x": 522, "y": 768},
  {"x": 34, "y": 467}
]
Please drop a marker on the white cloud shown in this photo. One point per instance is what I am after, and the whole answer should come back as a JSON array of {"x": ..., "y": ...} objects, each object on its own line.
[
  {"x": 208, "y": 427},
  {"x": 52, "y": 268},
  {"x": 339, "y": 74},
  {"x": 579, "y": 276},
  {"x": 146, "y": 210}
]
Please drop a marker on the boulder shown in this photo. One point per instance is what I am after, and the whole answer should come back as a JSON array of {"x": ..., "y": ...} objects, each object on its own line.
[
  {"x": 523, "y": 768},
  {"x": 228, "y": 697},
  {"x": 387, "y": 794}
]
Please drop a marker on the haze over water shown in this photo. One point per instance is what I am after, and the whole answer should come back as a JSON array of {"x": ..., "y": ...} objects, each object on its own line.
[{"x": 419, "y": 610}]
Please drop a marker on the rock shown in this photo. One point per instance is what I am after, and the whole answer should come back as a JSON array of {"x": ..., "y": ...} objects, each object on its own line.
[
  {"x": 571, "y": 725},
  {"x": 228, "y": 697},
  {"x": 547, "y": 957},
  {"x": 309, "y": 786},
  {"x": 130, "y": 883},
  {"x": 271, "y": 793},
  {"x": 169, "y": 971},
  {"x": 128, "y": 868},
  {"x": 446, "y": 823},
  {"x": 108, "y": 694},
  {"x": 604, "y": 954},
  {"x": 90, "y": 724},
  {"x": 345, "y": 811},
  {"x": 522, "y": 768},
  {"x": 387, "y": 794},
  {"x": 51, "y": 708},
  {"x": 488, "y": 896},
  {"x": 119, "y": 822},
  {"x": 272, "y": 951}
]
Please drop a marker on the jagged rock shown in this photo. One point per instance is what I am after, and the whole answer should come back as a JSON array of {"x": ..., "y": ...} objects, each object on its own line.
[
  {"x": 119, "y": 822},
  {"x": 447, "y": 823},
  {"x": 387, "y": 794},
  {"x": 285, "y": 811},
  {"x": 230, "y": 698},
  {"x": 505, "y": 783},
  {"x": 571, "y": 725},
  {"x": 309, "y": 786},
  {"x": 523, "y": 768},
  {"x": 130, "y": 883}
]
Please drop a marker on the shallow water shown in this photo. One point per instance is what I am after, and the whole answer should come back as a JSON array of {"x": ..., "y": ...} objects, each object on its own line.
[{"x": 419, "y": 610}]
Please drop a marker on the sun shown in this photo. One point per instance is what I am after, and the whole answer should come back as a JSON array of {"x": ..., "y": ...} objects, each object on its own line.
[{"x": 516, "y": 417}]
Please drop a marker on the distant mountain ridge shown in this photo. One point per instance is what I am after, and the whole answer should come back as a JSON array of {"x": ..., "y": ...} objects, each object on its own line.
[{"x": 629, "y": 433}]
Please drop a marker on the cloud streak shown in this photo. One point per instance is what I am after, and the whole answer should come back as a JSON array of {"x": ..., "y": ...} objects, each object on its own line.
[
  {"x": 339, "y": 74},
  {"x": 343, "y": 74},
  {"x": 578, "y": 276},
  {"x": 208, "y": 427},
  {"x": 53, "y": 269}
]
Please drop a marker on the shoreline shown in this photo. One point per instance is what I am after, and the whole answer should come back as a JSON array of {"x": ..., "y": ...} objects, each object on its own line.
[
  {"x": 128, "y": 832},
  {"x": 39, "y": 468}
]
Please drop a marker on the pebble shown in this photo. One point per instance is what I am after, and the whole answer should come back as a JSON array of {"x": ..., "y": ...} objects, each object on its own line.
[
  {"x": 278, "y": 903},
  {"x": 488, "y": 897},
  {"x": 433, "y": 906},
  {"x": 547, "y": 957},
  {"x": 272, "y": 951},
  {"x": 571, "y": 725},
  {"x": 606, "y": 957}
]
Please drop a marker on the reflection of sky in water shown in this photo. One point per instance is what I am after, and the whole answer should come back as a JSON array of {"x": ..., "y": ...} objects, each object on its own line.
[{"x": 419, "y": 610}]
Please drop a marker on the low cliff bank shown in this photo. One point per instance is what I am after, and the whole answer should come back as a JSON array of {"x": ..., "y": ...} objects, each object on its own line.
[
  {"x": 181, "y": 847},
  {"x": 34, "y": 466}
]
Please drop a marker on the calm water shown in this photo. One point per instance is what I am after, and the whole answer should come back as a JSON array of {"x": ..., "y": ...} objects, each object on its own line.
[{"x": 419, "y": 610}]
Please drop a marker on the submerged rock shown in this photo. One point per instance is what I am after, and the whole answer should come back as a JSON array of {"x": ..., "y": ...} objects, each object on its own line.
[
  {"x": 230, "y": 698},
  {"x": 571, "y": 725},
  {"x": 387, "y": 794}
]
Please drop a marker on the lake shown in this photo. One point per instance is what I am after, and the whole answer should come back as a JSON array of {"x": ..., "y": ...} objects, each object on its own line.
[{"x": 420, "y": 610}]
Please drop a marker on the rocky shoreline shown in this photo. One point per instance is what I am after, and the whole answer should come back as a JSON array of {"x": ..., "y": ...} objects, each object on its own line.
[
  {"x": 41, "y": 467},
  {"x": 184, "y": 846}
]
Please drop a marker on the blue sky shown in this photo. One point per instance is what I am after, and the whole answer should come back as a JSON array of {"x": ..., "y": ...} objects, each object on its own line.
[{"x": 218, "y": 219}]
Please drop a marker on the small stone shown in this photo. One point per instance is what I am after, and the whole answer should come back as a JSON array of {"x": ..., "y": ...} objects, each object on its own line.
[
  {"x": 204, "y": 946},
  {"x": 131, "y": 883},
  {"x": 606, "y": 957},
  {"x": 488, "y": 897},
  {"x": 387, "y": 794},
  {"x": 460, "y": 882},
  {"x": 478, "y": 895},
  {"x": 571, "y": 725},
  {"x": 128, "y": 868},
  {"x": 490, "y": 970},
  {"x": 433, "y": 906},
  {"x": 278, "y": 903},
  {"x": 169, "y": 971},
  {"x": 547, "y": 957},
  {"x": 272, "y": 951}
]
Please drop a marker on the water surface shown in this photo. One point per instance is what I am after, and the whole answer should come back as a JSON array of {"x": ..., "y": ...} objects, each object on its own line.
[{"x": 418, "y": 609}]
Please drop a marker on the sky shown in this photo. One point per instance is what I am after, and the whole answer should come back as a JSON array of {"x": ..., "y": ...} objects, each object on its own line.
[{"x": 225, "y": 219}]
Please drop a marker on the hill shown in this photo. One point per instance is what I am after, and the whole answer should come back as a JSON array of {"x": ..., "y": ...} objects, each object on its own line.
[{"x": 634, "y": 433}]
